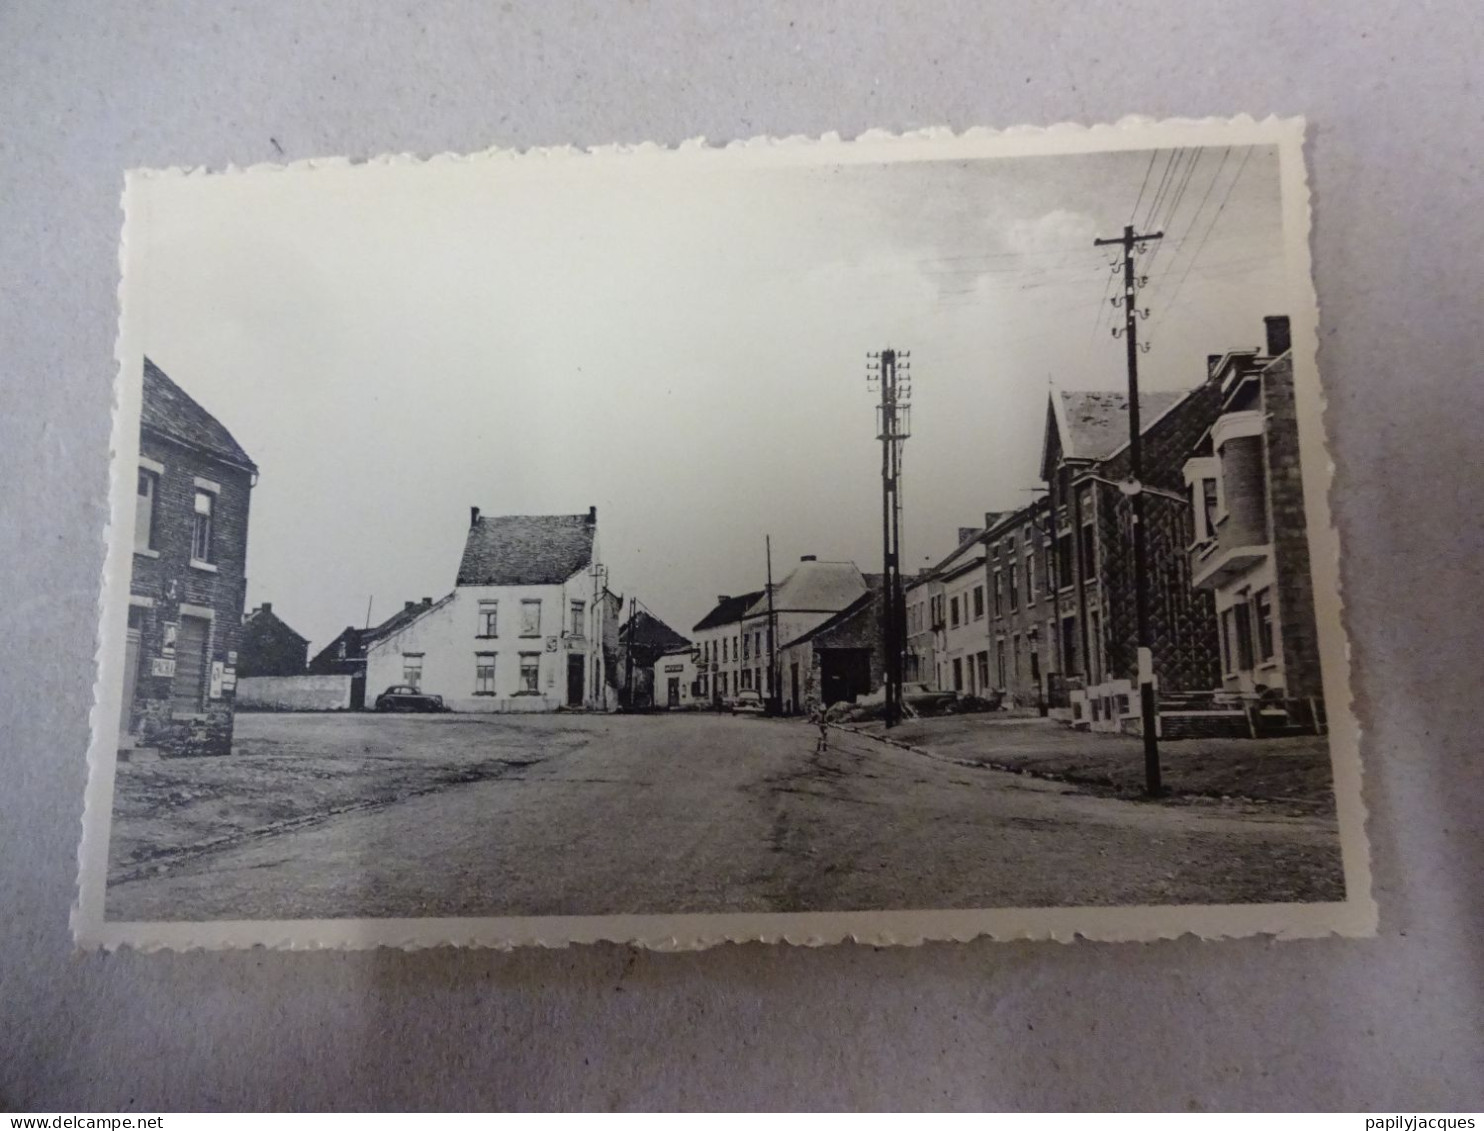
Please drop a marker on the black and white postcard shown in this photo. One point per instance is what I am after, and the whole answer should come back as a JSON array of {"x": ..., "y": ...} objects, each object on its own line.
[{"x": 915, "y": 537}]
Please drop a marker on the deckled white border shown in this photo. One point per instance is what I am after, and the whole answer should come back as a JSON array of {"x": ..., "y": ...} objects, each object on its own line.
[{"x": 1354, "y": 917}]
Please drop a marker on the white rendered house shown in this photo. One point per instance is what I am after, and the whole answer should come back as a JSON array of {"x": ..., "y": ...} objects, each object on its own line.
[{"x": 521, "y": 631}]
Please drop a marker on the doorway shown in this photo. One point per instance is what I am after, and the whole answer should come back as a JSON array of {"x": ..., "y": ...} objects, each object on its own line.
[
  {"x": 672, "y": 698},
  {"x": 576, "y": 678}
]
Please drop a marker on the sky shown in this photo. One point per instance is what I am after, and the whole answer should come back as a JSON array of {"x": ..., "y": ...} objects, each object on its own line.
[{"x": 681, "y": 343}]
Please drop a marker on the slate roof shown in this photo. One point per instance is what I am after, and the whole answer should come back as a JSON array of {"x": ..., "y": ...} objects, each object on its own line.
[
  {"x": 1095, "y": 424},
  {"x": 729, "y": 610},
  {"x": 403, "y": 617},
  {"x": 860, "y": 605},
  {"x": 169, "y": 411},
  {"x": 653, "y": 633},
  {"x": 527, "y": 549},
  {"x": 813, "y": 587}
]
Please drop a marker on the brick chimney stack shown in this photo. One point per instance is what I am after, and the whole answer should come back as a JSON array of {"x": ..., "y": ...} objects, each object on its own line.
[
  {"x": 473, "y": 517},
  {"x": 1279, "y": 337},
  {"x": 592, "y": 516}
]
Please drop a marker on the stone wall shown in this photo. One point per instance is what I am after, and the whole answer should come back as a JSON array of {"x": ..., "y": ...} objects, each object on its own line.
[{"x": 294, "y": 693}]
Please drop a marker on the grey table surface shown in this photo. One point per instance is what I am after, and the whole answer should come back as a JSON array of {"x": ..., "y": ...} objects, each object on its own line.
[{"x": 1390, "y": 88}]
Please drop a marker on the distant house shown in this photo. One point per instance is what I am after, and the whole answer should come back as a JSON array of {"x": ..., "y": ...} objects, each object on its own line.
[
  {"x": 718, "y": 637},
  {"x": 838, "y": 660},
  {"x": 268, "y": 646},
  {"x": 811, "y": 593},
  {"x": 673, "y": 677},
  {"x": 346, "y": 654},
  {"x": 516, "y": 633},
  {"x": 947, "y": 645},
  {"x": 642, "y": 639},
  {"x": 187, "y": 587}
]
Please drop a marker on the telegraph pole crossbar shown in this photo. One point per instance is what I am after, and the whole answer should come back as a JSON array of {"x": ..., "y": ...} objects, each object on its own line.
[{"x": 1149, "y": 715}]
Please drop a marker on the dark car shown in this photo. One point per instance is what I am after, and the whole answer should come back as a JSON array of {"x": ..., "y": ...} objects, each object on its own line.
[{"x": 404, "y": 697}]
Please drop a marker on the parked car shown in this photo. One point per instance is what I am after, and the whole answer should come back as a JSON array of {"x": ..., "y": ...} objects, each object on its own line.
[
  {"x": 925, "y": 701},
  {"x": 404, "y": 697},
  {"x": 748, "y": 703}
]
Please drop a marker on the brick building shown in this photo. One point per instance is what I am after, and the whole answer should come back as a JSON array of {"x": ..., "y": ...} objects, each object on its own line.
[
  {"x": 838, "y": 660},
  {"x": 346, "y": 654},
  {"x": 188, "y": 584},
  {"x": 1084, "y": 463},
  {"x": 1249, "y": 548},
  {"x": 268, "y": 646},
  {"x": 1020, "y": 577},
  {"x": 718, "y": 636}
]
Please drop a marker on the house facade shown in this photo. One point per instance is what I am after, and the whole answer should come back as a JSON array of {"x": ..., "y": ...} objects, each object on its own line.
[
  {"x": 675, "y": 680},
  {"x": 839, "y": 660},
  {"x": 518, "y": 632},
  {"x": 1020, "y": 574},
  {"x": 810, "y": 594},
  {"x": 346, "y": 654},
  {"x": 1085, "y": 465},
  {"x": 941, "y": 627},
  {"x": 642, "y": 639},
  {"x": 718, "y": 639},
  {"x": 269, "y": 647},
  {"x": 188, "y": 584},
  {"x": 1249, "y": 548}
]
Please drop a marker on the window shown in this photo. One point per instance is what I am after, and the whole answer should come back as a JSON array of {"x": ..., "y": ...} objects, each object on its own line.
[
  {"x": 1244, "y": 637},
  {"x": 1015, "y": 659},
  {"x": 999, "y": 610},
  {"x": 958, "y": 675},
  {"x": 1094, "y": 647},
  {"x": 1069, "y": 645},
  {"x": 746, "y": 646},
  {"x": 144, "y": 510},
  {"x": 1262, "y": 609},
  {"x": 530, "y": 617},
  {"x": 1064, "y": 560},
  {"x": 978, "y": 602},
  {"x": 746, "y": 684},
  {"x": 757, "y": 644},
  {"x": 953, "y": 612},
  {"x": 1089, "y": 552},
  {"x": 201, "y": 531},
  {"x": 484, "y": 673},
  {"x": 736, "y": 655},
  {"x": 721, "y": 682},
  {"x": 723, "y": 649},
  {"x": 984, "y": 669},
  {"x": 489, "y": 619},
  {"x": 530, "y": 673},
  {"x": 579, "y": 618},
  {"x": 412, "y": 670},
  {"x": 1030, "y": 578},
  {"x": 1014, "y": 587},
  {"x": 1228, "y": 637},
  {"x": 999, "y": 660}
]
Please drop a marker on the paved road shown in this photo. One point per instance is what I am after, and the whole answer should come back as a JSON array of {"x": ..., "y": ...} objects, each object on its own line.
[{"x": 710, "y": 813}]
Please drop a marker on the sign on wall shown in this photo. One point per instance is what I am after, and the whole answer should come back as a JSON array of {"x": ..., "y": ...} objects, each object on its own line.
[{"x": 162, "y": 667}]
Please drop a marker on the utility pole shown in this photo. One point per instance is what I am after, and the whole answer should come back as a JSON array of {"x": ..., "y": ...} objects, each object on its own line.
[
  {"x": 774, "y": 691},
  {"x": 1129, "y": 241},
  {"x": 890, "y": 370}
]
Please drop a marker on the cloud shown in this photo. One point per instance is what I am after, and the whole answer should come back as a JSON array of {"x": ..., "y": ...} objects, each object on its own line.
[{"x": 1058, "y": 230}]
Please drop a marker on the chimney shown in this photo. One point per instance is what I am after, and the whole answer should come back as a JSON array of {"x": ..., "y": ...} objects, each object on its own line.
[
  {"x": 473, "y": 517},
  {"x": 723, "y": 598},
  {"x": 427, "y": 601},
  {"x": 592, "y": 516},
  {"x": 1279, "y": 341},
  {"x": 409, "y": 605},
  {"x": 1212, "y": 361},
  {"x": 808, "y": 558},
  {"x": 967, "y": 532},
  {"x": 267, "y": 606}
]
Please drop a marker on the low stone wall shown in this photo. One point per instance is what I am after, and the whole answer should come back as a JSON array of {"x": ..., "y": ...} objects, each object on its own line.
[{"x": 294, "y": 693}]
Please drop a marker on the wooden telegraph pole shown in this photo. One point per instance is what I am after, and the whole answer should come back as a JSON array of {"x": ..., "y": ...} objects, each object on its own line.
[
  {"x": 1129, "y": 241},
  {"x": 890, "y": 369}
]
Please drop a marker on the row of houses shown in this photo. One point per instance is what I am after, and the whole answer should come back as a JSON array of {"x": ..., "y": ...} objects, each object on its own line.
[{"x": 1037, "y": 606}]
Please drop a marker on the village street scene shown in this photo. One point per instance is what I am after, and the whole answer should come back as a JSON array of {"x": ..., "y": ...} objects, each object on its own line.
[{"x": 1102, "y": 687}]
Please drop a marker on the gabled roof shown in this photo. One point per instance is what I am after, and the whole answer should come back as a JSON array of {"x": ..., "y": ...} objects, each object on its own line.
[
  {"x": 728, "y": 610},
  {"x": 814, "y": 587},
  {"x": 844, "y": 616},
  {"x": 402, "y": 618},
  {"x": 169, "y": 411},
  {"x": 536, "y": 549},
  {"x": 263, "y": 617},
  {"x": 652, "y": 633},
  {"x": 1093, "y": 425}
]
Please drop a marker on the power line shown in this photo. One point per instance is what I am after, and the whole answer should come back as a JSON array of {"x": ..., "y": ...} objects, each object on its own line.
[{"x": 1196, "y": 254}]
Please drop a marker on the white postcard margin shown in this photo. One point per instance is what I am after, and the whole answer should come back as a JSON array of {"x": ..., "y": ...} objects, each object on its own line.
[{"x": 1356, "y": 916}]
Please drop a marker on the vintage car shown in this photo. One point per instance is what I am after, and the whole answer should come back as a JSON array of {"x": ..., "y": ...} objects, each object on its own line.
[
  {"x": 404, "y": 697},
  {"x": 748, "y": 703}
]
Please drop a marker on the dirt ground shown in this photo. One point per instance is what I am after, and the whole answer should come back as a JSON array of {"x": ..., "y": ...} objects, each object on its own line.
[
  {"x": 1290, "y": 774},
  {"x": 370, "y": 816}
]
